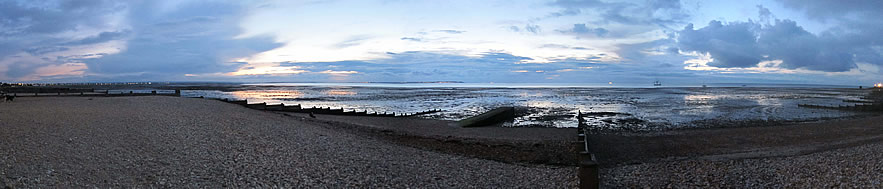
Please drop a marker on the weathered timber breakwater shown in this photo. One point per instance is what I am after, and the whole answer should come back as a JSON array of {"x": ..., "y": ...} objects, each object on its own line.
[
  {"x": 59, "y": 92},
  {"x": 321, "y": 110},
  {"x": 589, "y": 173},
  {"x": 873, "y": 102}
]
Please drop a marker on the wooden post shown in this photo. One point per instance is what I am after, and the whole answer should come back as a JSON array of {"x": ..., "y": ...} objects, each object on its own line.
[
  {"x": 588, "y": 172},
  {"x": 589, "y": 175}
]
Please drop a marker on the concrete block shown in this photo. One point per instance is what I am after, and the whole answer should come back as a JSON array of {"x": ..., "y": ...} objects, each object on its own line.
[{"x": 491, "y": 117}]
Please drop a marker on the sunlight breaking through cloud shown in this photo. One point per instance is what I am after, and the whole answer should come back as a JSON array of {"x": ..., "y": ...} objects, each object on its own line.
[{"x": 485, "y": 41}]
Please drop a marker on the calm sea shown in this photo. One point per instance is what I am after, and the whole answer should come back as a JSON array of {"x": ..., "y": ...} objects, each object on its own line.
[{"x": 556, "y": 105}]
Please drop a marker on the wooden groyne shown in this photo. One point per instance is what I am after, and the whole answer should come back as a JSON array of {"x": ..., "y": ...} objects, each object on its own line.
[
  {"x": 858, "y": 107},
  {"x": 260, "y": 106},
  {"x": 589, "y": 173},
  {"x": 297, "y": 108},
  {"x": 425, "y": 112},
  {"x": 859, "y": 101},
  {"x": 873, "y": 102}
]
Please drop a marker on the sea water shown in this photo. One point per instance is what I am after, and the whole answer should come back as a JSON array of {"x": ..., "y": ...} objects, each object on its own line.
[{"x": 556, "y": 105}]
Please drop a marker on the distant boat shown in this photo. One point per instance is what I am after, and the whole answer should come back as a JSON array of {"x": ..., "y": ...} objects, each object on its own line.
[{"x": 657, "y": 83}]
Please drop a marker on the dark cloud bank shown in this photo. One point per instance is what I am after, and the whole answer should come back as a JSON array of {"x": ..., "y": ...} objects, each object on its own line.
[
  {"x": 192, "y": 38},
  {"x": 196, "y": 38},
  {"x": 742, "y": 44},
  {"x": 745, "y": 44}
]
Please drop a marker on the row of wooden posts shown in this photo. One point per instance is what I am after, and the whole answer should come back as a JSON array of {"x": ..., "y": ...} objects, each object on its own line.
[
  {"x": 322, "y": 110},
  {"x": 859, "y": 107},
  {"x": 261, "y": 106},
  {"x": 589, "y": 173},
  {"x": 871, "y": 102}
]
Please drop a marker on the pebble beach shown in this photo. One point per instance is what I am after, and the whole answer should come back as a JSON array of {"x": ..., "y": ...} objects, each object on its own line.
[
  {"x": 824, "y": 154},
  {"x": 157, "y": 141},
  {"x": 185, "y": 142},
  {"x": 856, "y": 167}
]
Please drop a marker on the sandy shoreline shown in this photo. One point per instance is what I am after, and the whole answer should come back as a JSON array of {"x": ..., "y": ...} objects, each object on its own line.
[{"x": 170, "y": 141}]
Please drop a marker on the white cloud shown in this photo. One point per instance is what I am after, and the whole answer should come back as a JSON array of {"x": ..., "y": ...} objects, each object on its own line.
[
  {"x": 338, "y": 72},
  {"x": 415, "y": 26}
]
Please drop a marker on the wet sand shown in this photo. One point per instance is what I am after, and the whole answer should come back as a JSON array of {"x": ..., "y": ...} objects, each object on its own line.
[
  {"x": 550, "y": 146},
  {"x": 185, "y": 142}
]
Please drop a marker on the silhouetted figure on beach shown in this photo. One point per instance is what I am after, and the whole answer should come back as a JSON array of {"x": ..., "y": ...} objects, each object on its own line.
[
  {"x": 312, "y": 116},
  {"x": 9, "y": 98}
]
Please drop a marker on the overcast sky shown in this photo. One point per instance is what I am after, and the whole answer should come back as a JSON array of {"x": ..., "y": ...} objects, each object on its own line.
[{"x": 563, "y": 41}]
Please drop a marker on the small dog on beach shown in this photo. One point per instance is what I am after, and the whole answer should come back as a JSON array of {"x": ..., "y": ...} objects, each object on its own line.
[{"x": 9, "y": 98}]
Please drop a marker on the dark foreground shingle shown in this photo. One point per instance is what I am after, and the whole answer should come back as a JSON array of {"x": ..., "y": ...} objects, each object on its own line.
[{"x": 170, "y": 141}]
